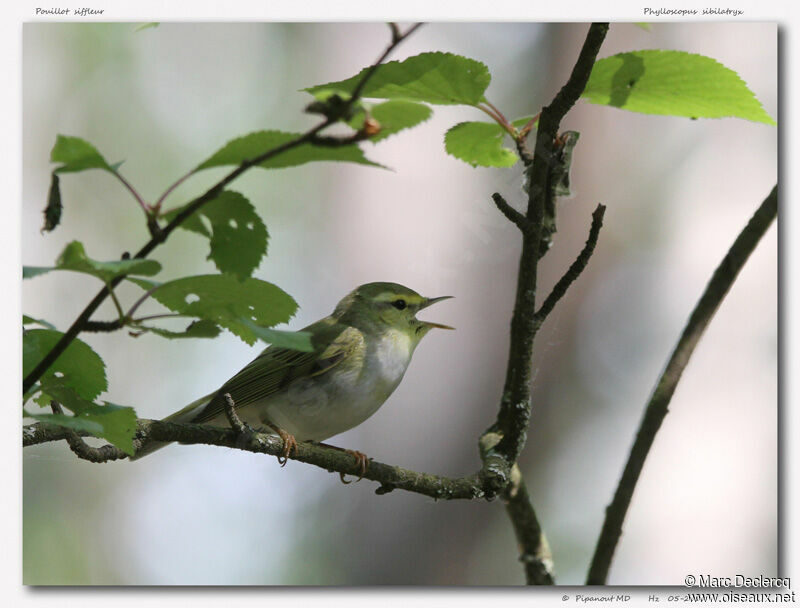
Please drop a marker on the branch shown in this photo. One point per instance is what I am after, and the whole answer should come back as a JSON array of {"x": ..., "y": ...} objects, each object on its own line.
[
  {"x": 656, "y": 410},
  {"x": 161, "y": 235},
  {"x": 575, "y": 269},
  {"x": 515, "y": 406},
  {"x": 84, "y": 451},
  {"x": 329, "y": 458},
  {"x": 534, "y": 551}
]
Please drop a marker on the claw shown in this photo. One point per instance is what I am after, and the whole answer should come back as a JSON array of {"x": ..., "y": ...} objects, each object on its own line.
[
  {"x": 289, "y": 444},
  {"x": 361, "y": 460}
]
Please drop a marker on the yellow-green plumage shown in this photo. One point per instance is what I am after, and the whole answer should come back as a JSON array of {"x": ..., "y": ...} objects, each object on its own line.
[{"x": 360, "y": 355}]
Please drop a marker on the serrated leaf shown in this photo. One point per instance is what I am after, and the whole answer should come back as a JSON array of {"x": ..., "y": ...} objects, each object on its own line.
[
  {"x": 672, "y": 83},
  {"x": 76, "y": 154},
  {"x": 437, "y": 78},
  {"x": 78, "y": 367},
  {"x": 295, "y": 340},
  {"x": 52, "y": 212},
  {"x": 74, "y": 258},
  {"x": 238, "y": 237},
  {"x": 228, "y": 302},
  {"x": 479, "y": 143},
  {"x": 394, "y": 116},
  {"x": 253, "y": 145},
  {"x": 196, "y": 329},
  {"x": 114, "y": 423},
  {"x": 26, "y": 320}
]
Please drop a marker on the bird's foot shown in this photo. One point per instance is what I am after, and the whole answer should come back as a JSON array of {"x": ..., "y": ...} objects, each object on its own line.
[
  {"x": 289, "y": 445},
  {"x": 361, "y": 460}
]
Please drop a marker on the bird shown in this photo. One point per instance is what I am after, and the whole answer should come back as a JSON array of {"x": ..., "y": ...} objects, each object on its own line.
[{"x": 359, "y": 355}]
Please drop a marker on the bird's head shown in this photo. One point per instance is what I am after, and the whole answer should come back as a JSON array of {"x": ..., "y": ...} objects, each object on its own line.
[{"x": 387, "y": 306}]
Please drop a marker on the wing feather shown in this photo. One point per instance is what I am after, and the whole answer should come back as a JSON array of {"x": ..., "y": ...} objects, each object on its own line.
[{"x": 275, "y": 367}]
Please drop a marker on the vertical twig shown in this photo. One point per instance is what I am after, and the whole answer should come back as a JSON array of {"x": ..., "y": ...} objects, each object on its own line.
[{"x": 656, "y": 409}]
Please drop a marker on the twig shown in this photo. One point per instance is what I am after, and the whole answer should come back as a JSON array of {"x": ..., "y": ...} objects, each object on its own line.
[
  {"x": 511, "y": 214},
  {"x": 233, "y": 418},
  {"x": 161, "y": 236},
  {"x": 575, "y": 269},
  {"x": 84, "y": 451},
  {"x": 656, "y": 410}
]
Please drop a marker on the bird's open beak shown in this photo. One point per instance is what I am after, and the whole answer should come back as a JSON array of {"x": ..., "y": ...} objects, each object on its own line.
[{"x": 427, "y": 303}]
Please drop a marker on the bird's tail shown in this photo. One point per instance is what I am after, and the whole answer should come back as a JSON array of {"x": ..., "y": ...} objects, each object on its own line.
[{"x": 186, "y": 414}]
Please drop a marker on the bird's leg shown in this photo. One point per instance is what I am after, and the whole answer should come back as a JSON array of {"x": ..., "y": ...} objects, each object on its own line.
[
  {"x": 289, "y": 443},
  {"x": 362, "y": 460}
]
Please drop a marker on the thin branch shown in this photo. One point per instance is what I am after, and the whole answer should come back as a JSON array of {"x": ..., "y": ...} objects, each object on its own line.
[
  {"x": 84, "y": 451},
  {"x": 161, "y": 235},
  {"x": 575, "y": 269},
  {"x": 534, "y": 550},
  {"x": 515, "y": 406},
  {"x": 656, "y": 410},
  {"x": 333, "y": 460},
  {"x": 512, "y": 214}
]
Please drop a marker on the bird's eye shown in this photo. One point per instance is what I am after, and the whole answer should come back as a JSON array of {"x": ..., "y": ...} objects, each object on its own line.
[{"x": 399, "y": 304}]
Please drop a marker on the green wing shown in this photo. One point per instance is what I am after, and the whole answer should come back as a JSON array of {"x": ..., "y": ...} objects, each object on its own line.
[{"x": 275, "y": 367}]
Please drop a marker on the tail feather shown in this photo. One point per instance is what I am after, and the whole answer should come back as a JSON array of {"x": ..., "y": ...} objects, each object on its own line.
[{"x": 187, "y": 414}]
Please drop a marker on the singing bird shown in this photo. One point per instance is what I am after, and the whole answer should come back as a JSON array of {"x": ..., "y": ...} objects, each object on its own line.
[{"x": 360, "y": 354}]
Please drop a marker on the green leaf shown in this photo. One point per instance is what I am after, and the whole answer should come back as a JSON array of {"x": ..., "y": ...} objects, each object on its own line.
[
  {"x": 479, "y": 143},
  {"x": 228, "y": 302},
  {"x": 114, "y": 423},
  {"x": 74, "y": 258},
  {"x": 52, "y": 212},
  {"x": 144, "y": 26},
  {"x": 78, "y": 367},
  {"x": 644, "y": 25},
  {"x": 196, "y": 329},
  {"x": 253, "y": 145},
  {"x": 394, "y": 116},
  {"x": 26, "y": 320},
  {"x": 294, "y": 340},
  {"x": 672, "y": 83},
  {"x": 238, "y": 237},
  {"x": 438, "y": 78},
  {"x": 76, "y": 154}
]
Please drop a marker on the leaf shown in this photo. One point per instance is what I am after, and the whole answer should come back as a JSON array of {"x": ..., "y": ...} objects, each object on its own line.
[
  {"x": 78, "y": 367},
  {"x": 144, "y": 26},
  {"x": 479, "y": 143},
  {"x": 52, "y": 212},
  {"x": 228, "y": 302},
  {"x": 437, "y": 78},
  {"x": 196, "y": 329},
  {"x": 114, "y": 423},
  {"x": 238, "y": 237},
  {"x": 672, "y": 83},
  {"x": 294, "y": 340},
  {"x": 26, "y": 320},
  {"x": 76, "y": 154},
  {"x": 74, "y": 258},
  {"x": 253, "y": 145},
  {"x": 394, "y": 116}
]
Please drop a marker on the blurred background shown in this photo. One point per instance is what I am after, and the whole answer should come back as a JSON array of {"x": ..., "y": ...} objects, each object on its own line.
[{"x": 678, "y": 192}]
